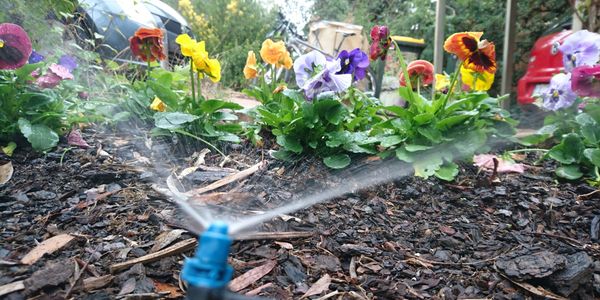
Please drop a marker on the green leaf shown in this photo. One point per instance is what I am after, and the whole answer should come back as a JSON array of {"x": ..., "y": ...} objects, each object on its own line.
[
  {"x": 423, "y": 118},
  {"x": 289, "y": 143},
  {"x": 454, "y": 120},
  {"x": 338, "y": 161},
  {"x": 569, "y": 151},
  {"x": 284, "y": 155},
  {"x": 415, "y": 148},
  {"x": 428, "y": 165},
  {"x": 40, "y": 136},
  {"x": 584, "y": 119},
  {"x": 212, "y": 105},
  {"x": 404, "y": 155},
  {"x": 170, "y": 98},
  {"x": 296, "y": 95},
  {"x": 338, "y": 138},
  {"x": 228, "y": 137},
  {"x": 431, "y": 134},
  {"x": 591, "y": 133},
  {"x": 172, "y": 120},
  {"x": 570, "y": 172},
  {"x": 331, "y": 110},
  {"x": 391, "y": 140},
  {"x": 593, "y": 155},
  {"x": 24, "y": 72},
  {"x": 9, "y": 149},
  {"x": 533, "y": 139},
  {"x": 447, "y": 172}
]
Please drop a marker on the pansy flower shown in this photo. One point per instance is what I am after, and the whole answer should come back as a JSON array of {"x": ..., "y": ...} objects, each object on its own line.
[
  {"x": 585, "y": 81},
  {"x": 559, "y": 94},
  {"x": 581, "y": 48},
  {"x": 316, "y": 75},
  {"x": 275, "y": 53},
  {"x": 476, "y": 54},
  {"x": 15, "y": 46},
  {"x": 35, "y": 57},
  {"x": 381, "y": 42},
  {"x": 354, "y": 62},
  {"x": 158, "y": 105},
  {"x": 147, "y": 44},
  {"x": 420, "y": 73},
  {"x": 251, "y": 69},
  {"x": 476, "y": 81},
  {"x": 68, "y": 61},
  {"x": 55, "y": 74}
]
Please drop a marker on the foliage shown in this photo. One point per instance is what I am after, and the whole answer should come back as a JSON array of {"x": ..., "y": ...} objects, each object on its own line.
[
  {"x": 229, "y": 27},
  {"x": 330, "y": 127}
]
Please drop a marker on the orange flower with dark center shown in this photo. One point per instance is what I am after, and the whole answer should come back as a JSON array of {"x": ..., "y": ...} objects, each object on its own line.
[
  {"x": 477, "y": 55},
  {"x": 147, "y": 44}
]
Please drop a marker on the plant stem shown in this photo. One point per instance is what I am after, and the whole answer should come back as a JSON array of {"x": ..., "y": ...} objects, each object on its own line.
[
  {"x": 452, "y": 84},
  {"x": 419, "y": 85},
  {"x": 180, "y": 131},
  {"x": 192, "y": 80},
  {"x": 404, "y": 67},
  {"x": 528, "y": 150},
  {"x": 199, "y": 87}
]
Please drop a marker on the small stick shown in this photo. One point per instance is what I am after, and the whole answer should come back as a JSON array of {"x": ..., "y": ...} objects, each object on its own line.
[
  {"x": 172, "y": 250},
  {"x": 227, "y": 180},
  {"x": 76, "y": 279},
  {"x": 274, "y": 235}
]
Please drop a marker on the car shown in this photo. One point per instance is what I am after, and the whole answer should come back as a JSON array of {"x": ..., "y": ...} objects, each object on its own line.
[
  {"x": 106, "y": 26},
  {"x": 545, "y": 61}
]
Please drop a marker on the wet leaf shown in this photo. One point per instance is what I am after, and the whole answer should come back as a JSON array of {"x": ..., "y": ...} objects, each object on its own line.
[
  {"x": 9, "y": 149},
  {"x": 76, "y": 139},
  {"x": 570, "y": 172},
  {"x": 174, "y": 292},
  {"x": 172, "y": 120},
  {"x": 447, "y": 172},
  {"x": 40, "y": 136},
  {"x": 250, "y": 277},
  {"x": 318, "y": 287},
  {"x": 6, "y": 172},
  {"x": 338, "y": 161}
]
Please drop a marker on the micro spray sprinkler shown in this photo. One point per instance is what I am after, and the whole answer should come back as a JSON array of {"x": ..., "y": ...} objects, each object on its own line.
[{"x": 208, "y": 273}]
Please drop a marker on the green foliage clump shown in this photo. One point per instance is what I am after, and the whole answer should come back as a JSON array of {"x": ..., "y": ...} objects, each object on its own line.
[{"x": 229, "y": 27}]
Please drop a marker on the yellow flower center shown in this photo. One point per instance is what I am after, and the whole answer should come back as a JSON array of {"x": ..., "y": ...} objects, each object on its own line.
[
  {"x": 1, "y": 43},
  {"x": 555, "y": 94}
]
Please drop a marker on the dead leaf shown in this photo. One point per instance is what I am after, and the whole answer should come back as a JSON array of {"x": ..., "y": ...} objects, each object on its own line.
[
  {"x": 11, "y": 287},
  {"x": 318, "y": 287},
  {"x": 46, "y": 247},
  {"x": 419, "y": 263},
  {"x": 285, "y": 245},
  {"x": 486, "y": 162},
  {"x": 166, "y": 238},
  {"x": 6, "y": 172},
  {"x": 250, "y": 277},
  {"x": 75, "y": 139},
  {"x": 52, "y": 274},
  {"x": 538, "y": 291},
  {"x": 94, "y": 283},
  {"x": 174, "y": 292},
  {"x": 257, "y": 290}
]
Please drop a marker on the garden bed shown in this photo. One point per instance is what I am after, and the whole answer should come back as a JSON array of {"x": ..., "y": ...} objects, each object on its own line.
[{"x": 525, "y": 235}]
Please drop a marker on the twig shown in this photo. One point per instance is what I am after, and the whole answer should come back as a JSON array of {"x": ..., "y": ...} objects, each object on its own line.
[
  {"x": 76, "y": 278},
  {"x": 227, "y": 180},
  {"x": 588, "y": 195},
  {"x": 283, "y": 235},
  {"x": 172, "y": 250},
  {"x": 571, "y": 241}
]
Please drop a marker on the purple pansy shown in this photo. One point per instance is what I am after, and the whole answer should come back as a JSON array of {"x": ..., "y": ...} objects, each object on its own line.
[
  {"x": 559, "y": 94},
  {"x": 68, "y": 62},
  {"x": 316, "y": 75},
  {"x": 581, "y": 48},
  {"x": 35, "y": 57},
  {"x": 354, "y": 62},
  {"x": 585, "y": 81}
]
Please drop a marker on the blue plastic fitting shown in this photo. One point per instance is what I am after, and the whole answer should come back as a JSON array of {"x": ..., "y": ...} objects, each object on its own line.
[{"x": 209, "y": 268}]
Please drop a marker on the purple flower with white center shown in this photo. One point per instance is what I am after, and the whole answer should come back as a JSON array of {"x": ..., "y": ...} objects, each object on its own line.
[
  {"x": 35, "y": 57},
  {"x": 581, "y": 48},
  {"x": 559, "y": 94},
  {"x": 354, "y": 62},
  {"x": 68, "y": 62},
  {"x": 315, "y": 75}
]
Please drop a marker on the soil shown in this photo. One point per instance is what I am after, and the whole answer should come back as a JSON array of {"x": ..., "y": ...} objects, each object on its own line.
[{"x": 517, "y": 236}]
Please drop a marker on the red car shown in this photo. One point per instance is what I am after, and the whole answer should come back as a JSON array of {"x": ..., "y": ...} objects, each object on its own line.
[{"x": 545, "y": 60}]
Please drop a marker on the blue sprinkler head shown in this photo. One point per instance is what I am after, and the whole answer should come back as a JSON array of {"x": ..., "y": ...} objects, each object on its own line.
[{"x": 209, "y": 268}]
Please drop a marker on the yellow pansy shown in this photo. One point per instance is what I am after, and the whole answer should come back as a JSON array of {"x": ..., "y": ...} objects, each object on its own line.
[
  {"x": 271, "y": 52},
  {"x": 214, "y": 70},
  {"x": 477, "y": 81},
  {"x": 187, "y": 44},
  {"x": 158, "y": 105},
  {"x": 285, "y": 61},
  {"x": 251, "y": 69},
  {"x": 441, "y": 82}
]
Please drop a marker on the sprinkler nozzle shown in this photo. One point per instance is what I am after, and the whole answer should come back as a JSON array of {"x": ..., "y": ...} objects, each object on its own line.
[{"x": 209, "y": 268}]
